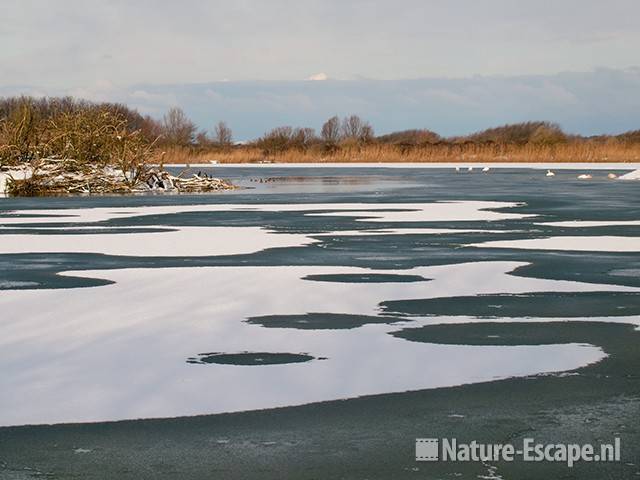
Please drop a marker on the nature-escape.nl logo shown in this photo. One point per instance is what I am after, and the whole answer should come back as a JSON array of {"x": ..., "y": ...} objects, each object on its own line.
[{"x": 450, "y": 450}]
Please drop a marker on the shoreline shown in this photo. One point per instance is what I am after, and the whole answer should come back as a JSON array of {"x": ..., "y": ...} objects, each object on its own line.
[{"x": 462, "y": 165}]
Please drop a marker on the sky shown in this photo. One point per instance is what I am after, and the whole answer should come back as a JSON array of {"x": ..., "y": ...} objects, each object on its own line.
[{"x": 258, "y": 63}]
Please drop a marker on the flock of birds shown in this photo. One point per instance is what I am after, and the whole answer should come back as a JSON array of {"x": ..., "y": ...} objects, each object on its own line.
[
  {"x": 550, "y": 173},
  {"x": 470, "y": 169}
]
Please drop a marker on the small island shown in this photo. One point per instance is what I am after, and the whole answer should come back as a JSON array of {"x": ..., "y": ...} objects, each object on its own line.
[{"x": 61, "y": 146}]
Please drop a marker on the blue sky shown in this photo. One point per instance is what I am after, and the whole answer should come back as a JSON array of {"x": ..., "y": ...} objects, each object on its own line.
[{"x": 451, "y": 65}]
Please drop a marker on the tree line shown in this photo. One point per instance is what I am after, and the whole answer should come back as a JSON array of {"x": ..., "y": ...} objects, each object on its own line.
[{"x": 59, "y": 127}]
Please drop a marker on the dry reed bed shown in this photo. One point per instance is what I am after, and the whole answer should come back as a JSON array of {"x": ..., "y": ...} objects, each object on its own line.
[{"x": 472, "y": 153}]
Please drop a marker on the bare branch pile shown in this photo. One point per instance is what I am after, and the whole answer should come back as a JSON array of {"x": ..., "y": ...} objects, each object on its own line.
[{"x": 59, "y": 177}]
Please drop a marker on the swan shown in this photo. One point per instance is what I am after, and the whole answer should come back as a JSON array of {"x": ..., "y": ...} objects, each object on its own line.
[
  {"x": 457, "y": 169},
  {"x": 470, "y": 169},
  {"x": 485, "y": 169},
  {"x": 550, "y": 173},
  {"x": 585, "y": 176}
]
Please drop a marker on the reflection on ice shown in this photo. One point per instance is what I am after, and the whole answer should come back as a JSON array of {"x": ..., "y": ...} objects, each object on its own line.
[{"x": 75, "y": 355}]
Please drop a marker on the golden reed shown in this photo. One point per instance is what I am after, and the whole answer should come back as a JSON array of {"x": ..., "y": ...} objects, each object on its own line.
[{"x": 468, "y": 153}]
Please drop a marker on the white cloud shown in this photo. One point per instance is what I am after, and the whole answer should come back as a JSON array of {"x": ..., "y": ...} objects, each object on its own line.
[
  {"x": 100, "y": 91},
  {"x": 166, "y": 99},
  {"x": 318, "y": 77}
]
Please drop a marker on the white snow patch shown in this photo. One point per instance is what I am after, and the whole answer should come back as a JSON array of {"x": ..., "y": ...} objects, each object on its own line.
[
  {"x": 578, "y": 244},
  {"x": 588, "y": 223},
  {"x": 66, "y": 352},
  {"x": 418, "y": 212},
  {"x": 182, "y": 242}
]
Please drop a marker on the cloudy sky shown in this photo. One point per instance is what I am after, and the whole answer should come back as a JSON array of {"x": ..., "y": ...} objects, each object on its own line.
[{"x": 249, "y": 60}]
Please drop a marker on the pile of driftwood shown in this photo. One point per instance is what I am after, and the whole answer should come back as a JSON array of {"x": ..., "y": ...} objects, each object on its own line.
[
  {"x": 157, "y": 179},
  {"x": 59, "y": 177}
]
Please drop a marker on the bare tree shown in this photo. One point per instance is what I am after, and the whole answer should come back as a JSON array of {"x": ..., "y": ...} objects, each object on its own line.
[
  {"x": 276, "y": 140},
  {"x": 366, "y": 133},
  {"x": 222, "y": 134},
  {"x": 202, "y": 139},
  {"x": 303, "y": 138},
  {"x": 177, "y": 128},
  {"x": 151, "y": 128},
  {"x": 331, "y": 131},
  {"x": 354, "y": 128}
]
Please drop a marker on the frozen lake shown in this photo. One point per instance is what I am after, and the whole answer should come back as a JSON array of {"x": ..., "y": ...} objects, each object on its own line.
[{"x": 306, "y": 286}]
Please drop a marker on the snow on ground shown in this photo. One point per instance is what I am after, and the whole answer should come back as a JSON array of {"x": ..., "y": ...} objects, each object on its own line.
[{"x": 19, "y": 174}]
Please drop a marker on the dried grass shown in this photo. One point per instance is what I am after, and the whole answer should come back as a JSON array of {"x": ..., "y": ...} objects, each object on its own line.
[{"x": 578, "y": 151}]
